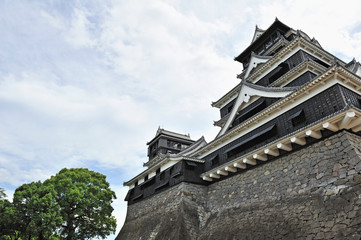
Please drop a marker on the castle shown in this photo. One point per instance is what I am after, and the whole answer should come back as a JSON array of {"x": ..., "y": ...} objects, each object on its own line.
[{"x": 286, "y": 163}]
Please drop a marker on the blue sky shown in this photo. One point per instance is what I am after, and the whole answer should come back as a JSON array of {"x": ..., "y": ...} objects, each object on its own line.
[{"x": 87, "y": 83}]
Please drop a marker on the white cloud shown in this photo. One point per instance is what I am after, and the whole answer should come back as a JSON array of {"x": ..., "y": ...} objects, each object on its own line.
[
  {"x": 78, "y": 34},
  {"x": 68, "y": 120}
]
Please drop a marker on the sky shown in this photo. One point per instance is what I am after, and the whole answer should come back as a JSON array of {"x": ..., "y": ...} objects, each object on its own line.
[{"x": 85, "y": 84}]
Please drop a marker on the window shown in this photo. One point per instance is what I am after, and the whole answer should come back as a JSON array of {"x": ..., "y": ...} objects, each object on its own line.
[
  {"x": 176, "y": 145},
  {"x": 250, "y": 111},
  {"x": 190, "y": 165},
  {"x": 279, "y": 71},
  {"x": 261, "y": 52},
  {"x": 136, "y": 183},
  {"x": 162, "y": 175},
  {"x": 297, "y": 118},
  {"x": 320, "y": 62},
  {"x": 229, "y": 109},
  {"x": 215, "y": 161},
  {"x": 158, "y": 171},
  {"x": 146, "y": 178},
  {"x": 254, "y": 139},
  {"x": 268, "y": 44},
  {"x": 148, "y": 183},
  {"x": 176, "y": 171},
  {"x": 359, "y": 102},
  {"x": 155, "y": 145},
  {"x": 276, "y": 37},
  {"x": 171, "y": 170}
]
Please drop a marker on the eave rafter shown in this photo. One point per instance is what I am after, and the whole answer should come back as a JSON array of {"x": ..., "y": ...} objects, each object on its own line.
[
  {"x": 346, "y": 119},
  {"x": 348, "y": 78}
]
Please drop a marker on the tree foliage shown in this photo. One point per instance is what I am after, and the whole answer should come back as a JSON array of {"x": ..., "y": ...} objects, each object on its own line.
[
  {"x": 8, "y": 226},
  {"x": 2, "y": 194},
  {"x": 36, "y": 210},
  {"x": 73, "y": 204},
  {"x": 85, "y": 200}
]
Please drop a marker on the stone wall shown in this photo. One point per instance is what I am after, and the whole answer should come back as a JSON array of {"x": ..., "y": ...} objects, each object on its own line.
[
  {"x": 175, "y": 213},
  {"x": 314, "y": 193}
]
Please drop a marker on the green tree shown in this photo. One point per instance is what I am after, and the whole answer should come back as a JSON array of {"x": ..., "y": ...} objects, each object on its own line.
[
  {"x": 85, "y": 201},
  {"x": 2, "y": 194},
  {"x": 7, "y": 223},
  {"x": 36, "y": 211}
]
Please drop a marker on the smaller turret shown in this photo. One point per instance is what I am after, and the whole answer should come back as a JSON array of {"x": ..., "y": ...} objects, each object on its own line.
[{"x": 167, "y": 142}]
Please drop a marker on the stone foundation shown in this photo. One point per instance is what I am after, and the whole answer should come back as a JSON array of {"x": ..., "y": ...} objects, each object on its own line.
[
  {"x": 314, "y": 193},
  {"x": 173, "y": 214}
]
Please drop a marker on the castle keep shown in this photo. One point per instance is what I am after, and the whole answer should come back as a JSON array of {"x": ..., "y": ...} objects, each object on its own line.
[{"x": 286, "y": 163}]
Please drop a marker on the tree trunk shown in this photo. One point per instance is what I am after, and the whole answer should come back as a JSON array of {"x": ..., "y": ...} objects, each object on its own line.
[
  {"x": 41, "y": 236},
  {"x": 70, "y": 231}
]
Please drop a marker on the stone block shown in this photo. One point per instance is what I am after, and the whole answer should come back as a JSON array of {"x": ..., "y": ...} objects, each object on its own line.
[
  {"x": 340, "y": 182},
  {"x": 320, "y": 235},
  {"x": 319, "y": 175},
  {"x": 357, "y": 178}
]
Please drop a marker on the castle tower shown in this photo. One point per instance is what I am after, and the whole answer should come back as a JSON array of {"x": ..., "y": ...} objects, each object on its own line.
[
  {"x": 166, "y": 142},
  {"x": 287, "y": 153}
]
